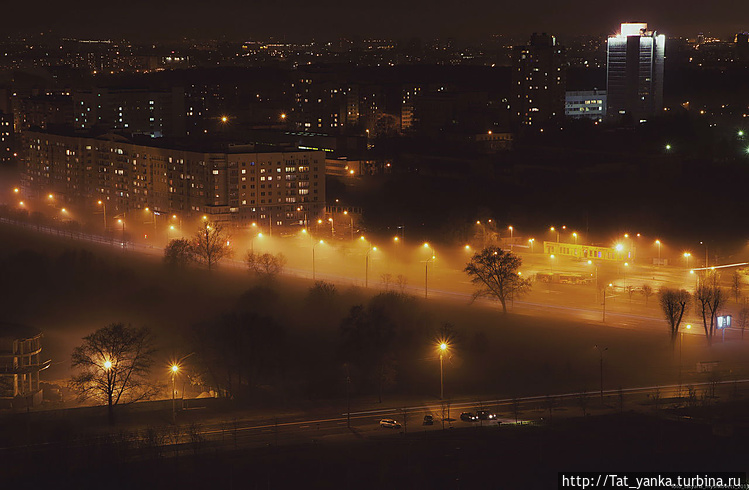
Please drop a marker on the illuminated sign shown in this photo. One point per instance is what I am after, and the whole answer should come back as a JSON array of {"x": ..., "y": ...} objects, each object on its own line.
[{"x": 724, "y": 321}]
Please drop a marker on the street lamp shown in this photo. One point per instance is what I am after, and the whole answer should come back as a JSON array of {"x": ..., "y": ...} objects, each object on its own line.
[
  {"x": 574, "y": 235},
  {"x": 122, "y": 222},
  {"x": 426, "y": 270},
  {"x": 600, "y": 352},
  {"x": 351, "y": 217},
  {"x": 681, "y": 341},
  {"x": 313, "y": 257},
  {"x": 552, "y": 229},
  {"x": 366, "y": 265},
  {"x": 687, "y": 255},
  {"x": 604, "y": 301},
  {"x": 551, "y": 263},
  {"x": 174, "y": 370},
  {"x": 511, "y": 235},
  {"x": 442, "y": 350},
  {"x": 658, "y": 242},
  {"x": 332, "y": 227},
  {"x": 531, "y": 241},
  {"x": 104, "y": 211}
]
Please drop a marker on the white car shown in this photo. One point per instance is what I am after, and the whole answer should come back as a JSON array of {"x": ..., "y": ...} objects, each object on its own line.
[{"x": 390, "y": 424}]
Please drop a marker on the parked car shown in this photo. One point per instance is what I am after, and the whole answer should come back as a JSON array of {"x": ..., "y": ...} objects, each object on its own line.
[
  {"x": 484, "y": 415},
  {"x": 468, "y": 417},
  {"x": 428, "y": 420},
  {"x": 390, "y": 424}
]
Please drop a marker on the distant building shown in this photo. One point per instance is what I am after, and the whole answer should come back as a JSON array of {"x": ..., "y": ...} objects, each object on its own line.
[
  {"x": 538, "y": 82},
  {"x": 585, "y": 104},
  {"x": 238, "y": 184},
  {"x": 634, "y": 78},
  {"x": 493, "y": 142},
  {"x": 20, "y": 365},
  {"x": 741, "y": 48},
  {"x": 6, "y": 138}
]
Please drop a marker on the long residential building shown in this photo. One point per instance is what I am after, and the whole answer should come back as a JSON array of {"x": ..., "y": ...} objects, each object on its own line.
[{"x": 233, "y": 183}]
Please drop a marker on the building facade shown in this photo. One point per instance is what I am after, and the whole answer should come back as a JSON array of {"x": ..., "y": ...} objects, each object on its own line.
[
  {"x": 585, "y": 104},
  {"x": 235, "y": 184},
  {"x": 634, "y": 72},
  {"x": 538, "y": 82},
  {"x": 20, "y": 365}
]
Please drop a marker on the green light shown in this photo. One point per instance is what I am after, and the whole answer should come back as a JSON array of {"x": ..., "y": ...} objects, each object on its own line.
[
  {"x": 740, "y": 133},
  {"x": 668, "y": 147}
]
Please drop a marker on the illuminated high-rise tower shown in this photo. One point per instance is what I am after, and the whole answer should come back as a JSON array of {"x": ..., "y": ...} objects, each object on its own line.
[{"x": 634, "y": 78}]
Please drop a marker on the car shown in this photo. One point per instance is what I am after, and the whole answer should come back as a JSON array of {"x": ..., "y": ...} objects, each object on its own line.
[
  {"x": 468, "y": 417},
  {"x": 484, "y": 415},
  {"x": 428, "y": 420},
  {"x": 389, "y": 424}
]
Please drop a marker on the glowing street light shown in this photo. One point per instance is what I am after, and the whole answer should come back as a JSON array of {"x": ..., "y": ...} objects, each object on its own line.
[
  {"x": 552, "y": 229},
  {"x": 426, "y": 269},
  {"x": 687, "y": 256},
  {"x": 574, "y": 235},
  {"x": 610, "y": 285},
  {"x": 668, "y": 147},
  {"x": 352, "y": 223},
  {"x": 531, "y": 241},
  {"x": 511, "y": 235},
  {"x": 107, "y": 364},
  {"x": 16, "y": 190},
  {"x": 658, "y": 242},
  {"x": 442, "y": 348}
]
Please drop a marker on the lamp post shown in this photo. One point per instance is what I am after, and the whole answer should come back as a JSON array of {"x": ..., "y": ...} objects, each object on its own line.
[
  {"x": 531, "y": 241},
  {"x": 600, "y": 352},
  {"x": 511, "y": 235},
  {"x": 174, "y": 369},
  {"x": 552, "y": 229},
  {"x": 332, "y": 227},
  {"x": 443, "y": 350},
  {"x": 426, "y": 270},
  {"x": 104, "y": 211},
  {"x": 681, "y": 341},
  {"x": 122, "y": 222},
  {"x": 351, "y": 225},
  {"x": 626, "y": 264},
  {"x": 366, "y": 265},
  {"x": 687, "y": 255},
  {"x": 604, "y": 301},
  {"x": 658, "y": 242},
  {"x": 574, "y": 235},
  {"x": 313, "y": 257}
]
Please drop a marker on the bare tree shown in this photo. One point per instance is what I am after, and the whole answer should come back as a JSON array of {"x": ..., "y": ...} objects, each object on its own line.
[
  {"x": 266, "y": 265},
  {"x": 630, "y": 292},
  {"x": 674, "y": 303},
  {"x": 401, "y": 281},
  {"x": 646, "y": 291},
  {"x": 113, "y": 365},
  {"x": 710, "y": 298},
  {"x": 496, "y": 272},
  {"x": 179, "y": 253},
  {"x": 736, "y": 285},
  {"x": 386, "y": 279},
  {"x": 743, "y": 319},
  {"x": 211, "y": 244}
]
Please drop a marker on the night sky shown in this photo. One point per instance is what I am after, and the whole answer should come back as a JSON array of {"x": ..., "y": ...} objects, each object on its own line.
[{"x": 330, "y": 19}]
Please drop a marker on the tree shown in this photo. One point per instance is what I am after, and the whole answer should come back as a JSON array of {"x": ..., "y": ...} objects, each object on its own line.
[
  {"x": 178, "y": 254},
  {"x": 646, "y": 291},
  {"x": 674, "y": 303},
  {"x": 113, "y": 364},
  {"x": 210, "y": 244},
  {"x": 496, "y": 272},
  {"x": 710, "y": 298},
  {"x": 265, "y": 265},
  {"x": 736, "y": 285}
]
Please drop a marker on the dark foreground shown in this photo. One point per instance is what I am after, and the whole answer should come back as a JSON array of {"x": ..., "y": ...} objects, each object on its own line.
[{"x": 512, "y": 457}]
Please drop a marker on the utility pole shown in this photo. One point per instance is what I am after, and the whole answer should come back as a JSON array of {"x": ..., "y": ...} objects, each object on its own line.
[{"x": 600, "y": 352}]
